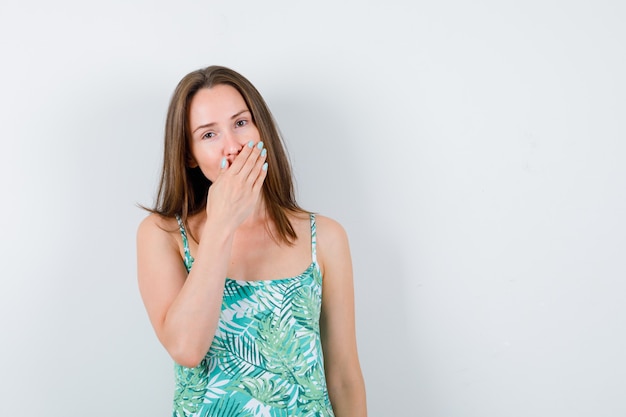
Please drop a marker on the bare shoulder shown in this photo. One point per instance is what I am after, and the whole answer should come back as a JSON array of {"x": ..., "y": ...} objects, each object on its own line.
[
  {"x": 159, "y": 256},
  {"x": 156, "y": 220},
  {"x": 156, "y": 228},
  {"x": 330, "y": 232},
  {"x": 333, "y": 250}
]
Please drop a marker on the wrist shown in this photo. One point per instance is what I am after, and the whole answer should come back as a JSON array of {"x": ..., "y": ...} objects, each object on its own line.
[{"x": 218, "y": 229}]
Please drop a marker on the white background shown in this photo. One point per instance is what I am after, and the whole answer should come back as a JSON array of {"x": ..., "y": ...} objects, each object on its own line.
[{"x": 473, "y": 150}]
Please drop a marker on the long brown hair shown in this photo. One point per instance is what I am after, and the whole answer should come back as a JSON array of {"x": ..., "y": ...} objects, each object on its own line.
[{"x": 183, "y": 190}]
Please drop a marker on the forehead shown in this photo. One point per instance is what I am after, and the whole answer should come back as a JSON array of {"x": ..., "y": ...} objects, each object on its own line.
[{"x": 212, "y": 105}]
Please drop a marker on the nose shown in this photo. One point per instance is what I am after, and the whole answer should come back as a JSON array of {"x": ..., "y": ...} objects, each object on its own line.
[{"x": 231, "y": 145}]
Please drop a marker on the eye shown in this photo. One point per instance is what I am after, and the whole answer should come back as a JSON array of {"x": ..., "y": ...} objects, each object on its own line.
[
  {"x": 209, "y": 135},
  {"x": 241, "y": 123}
]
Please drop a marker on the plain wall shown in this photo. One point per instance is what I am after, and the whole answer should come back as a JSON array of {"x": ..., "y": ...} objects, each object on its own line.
[{"x": 473, "y": 150}]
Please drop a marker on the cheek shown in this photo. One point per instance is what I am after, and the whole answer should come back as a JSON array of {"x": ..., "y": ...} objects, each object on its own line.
[
  {"x": 208, "y": 160},
  {"x": 210, "y": 172},
  {"x": 249, "y": 133}
]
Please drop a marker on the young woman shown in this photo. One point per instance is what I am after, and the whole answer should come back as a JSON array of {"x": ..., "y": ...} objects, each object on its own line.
[{"x": 251, "y": 295}]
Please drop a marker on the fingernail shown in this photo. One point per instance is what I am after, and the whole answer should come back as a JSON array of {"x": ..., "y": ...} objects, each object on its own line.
[
  {"x": 260, "y": 145},
  {"x": 265, "y": 166},
  {"x": 250, "y": 144},
  {"x": 224, "y": 162},
  {"x": 264, "y": 152}
]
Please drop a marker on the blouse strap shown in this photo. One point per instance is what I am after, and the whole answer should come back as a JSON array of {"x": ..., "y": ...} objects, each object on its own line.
[
  {"x": 313, "y": 240},
  {"x": 188, "y": 258}
]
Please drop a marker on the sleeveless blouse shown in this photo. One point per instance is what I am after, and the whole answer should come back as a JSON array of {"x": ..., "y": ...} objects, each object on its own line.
[{"x": 266, "y": 357}]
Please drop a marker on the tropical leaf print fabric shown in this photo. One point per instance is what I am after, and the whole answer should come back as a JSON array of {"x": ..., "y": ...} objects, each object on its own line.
[{"x": 266, "y": 358}]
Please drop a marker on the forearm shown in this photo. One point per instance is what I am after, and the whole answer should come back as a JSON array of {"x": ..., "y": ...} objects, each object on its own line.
[
  {"x": 347, "y": 397},
  {"x": 191, "y": 321}
]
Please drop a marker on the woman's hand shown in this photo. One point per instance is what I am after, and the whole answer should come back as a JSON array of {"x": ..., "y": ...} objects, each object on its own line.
[
  {"x": 185, "y": 308},
  {"x": 234, "y": 194}
]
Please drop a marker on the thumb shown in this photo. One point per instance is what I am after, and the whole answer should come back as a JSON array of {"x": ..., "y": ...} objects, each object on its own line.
[{"x": 223, "y": 165}]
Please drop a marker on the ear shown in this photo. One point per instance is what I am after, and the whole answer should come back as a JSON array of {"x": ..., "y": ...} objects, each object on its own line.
[{"x": 191, "y": 162}]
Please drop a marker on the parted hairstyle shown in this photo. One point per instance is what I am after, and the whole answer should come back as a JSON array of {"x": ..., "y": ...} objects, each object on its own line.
[{"x": 183, "y": 190}]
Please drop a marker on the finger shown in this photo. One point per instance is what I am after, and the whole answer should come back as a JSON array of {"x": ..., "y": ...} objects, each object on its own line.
[
  {"x": 243, "y": 157},
  {"x": 223, "y": 167},
  {"x": 260, "y": 170},
  {"x": 260, "y": 179},
  {"x": 252, "y": 160}
]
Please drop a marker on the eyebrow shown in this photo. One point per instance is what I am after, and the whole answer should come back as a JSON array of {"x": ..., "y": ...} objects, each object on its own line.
[{"x": 234, "y": 116}]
